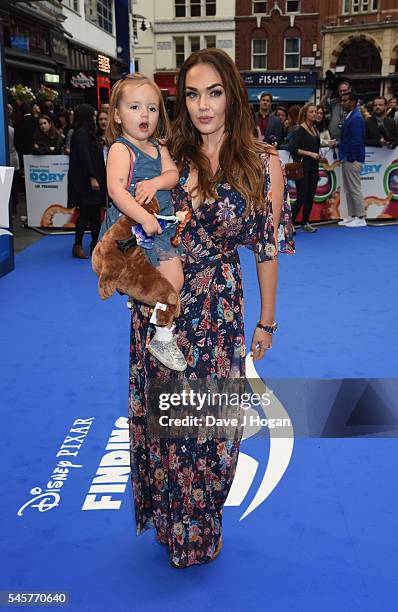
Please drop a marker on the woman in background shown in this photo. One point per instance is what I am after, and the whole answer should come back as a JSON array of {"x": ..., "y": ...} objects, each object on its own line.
[
  {"x": 322, "y": 126},
  {"x": 292, "y": 126},
  {"x": 306, "y": 144},
  {"x": 47, "y": 140},
  {"x": 86, "y": 178},
  {"x": 102, "y": 122}
]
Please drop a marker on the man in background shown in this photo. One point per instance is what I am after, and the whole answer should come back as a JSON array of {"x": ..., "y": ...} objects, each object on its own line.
[
  {"x": 24, "y": 132},
  {"x": 380, "y": 130},
  {"x": 335, "y": 110},
  {"x": 268, "y": 125},
  {"x": 352, "y": 156}
]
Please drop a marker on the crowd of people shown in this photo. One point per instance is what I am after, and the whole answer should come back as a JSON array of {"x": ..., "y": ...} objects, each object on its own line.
[
  {"x": 306, "y": 132},
  {"x": 79, "y": 133},
  {"x": 341, "y": 123}
]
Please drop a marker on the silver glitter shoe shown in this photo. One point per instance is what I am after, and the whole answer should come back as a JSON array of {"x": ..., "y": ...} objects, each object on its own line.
[{"x": 168, "y": 354}]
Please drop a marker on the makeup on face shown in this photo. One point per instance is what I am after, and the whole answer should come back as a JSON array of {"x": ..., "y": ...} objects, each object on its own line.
[{"x": 205, "y": 99}]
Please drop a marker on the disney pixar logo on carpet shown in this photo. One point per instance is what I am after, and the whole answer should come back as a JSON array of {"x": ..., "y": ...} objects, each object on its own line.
[
  {"x": 45, "y": 176},
  {"x": 47, "y": 497}
]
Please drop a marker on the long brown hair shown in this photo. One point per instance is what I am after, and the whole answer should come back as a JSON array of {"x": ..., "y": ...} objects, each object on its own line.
[
  {"x": 240, "y": 162},
  {"x": 303, "y": 113},
  {"x": 115, "y": 129},
  {"x": 52, "y": 132},
  {"x": 293, "y": 115}
]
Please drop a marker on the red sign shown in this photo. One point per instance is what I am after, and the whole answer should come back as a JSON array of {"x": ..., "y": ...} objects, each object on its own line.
[{"x": 166, "y": 81}]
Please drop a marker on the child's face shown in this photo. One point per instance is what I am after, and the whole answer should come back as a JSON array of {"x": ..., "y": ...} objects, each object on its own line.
[{"x": 138, "y": 111}]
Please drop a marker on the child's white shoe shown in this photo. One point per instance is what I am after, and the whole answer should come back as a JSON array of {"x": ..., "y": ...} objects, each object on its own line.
[{"x": 168, "y": 353}]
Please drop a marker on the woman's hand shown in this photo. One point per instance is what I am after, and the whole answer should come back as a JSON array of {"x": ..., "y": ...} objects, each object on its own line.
[
  {"x": 151, "y": 226},
  {"x": 94, "y": 183},
  {"x": 145, "y": 191},
  {"x": 261, "y": 342}
]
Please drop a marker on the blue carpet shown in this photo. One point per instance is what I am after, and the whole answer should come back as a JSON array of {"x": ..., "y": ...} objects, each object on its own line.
[{"x": 325, "y": 538}]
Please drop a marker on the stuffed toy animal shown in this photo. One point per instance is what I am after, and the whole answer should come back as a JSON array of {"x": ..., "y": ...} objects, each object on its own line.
[{"x": 124, "y": 268}]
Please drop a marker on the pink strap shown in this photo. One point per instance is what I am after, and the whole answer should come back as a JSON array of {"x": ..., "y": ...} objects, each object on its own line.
[{"x": 131, "y": 164}]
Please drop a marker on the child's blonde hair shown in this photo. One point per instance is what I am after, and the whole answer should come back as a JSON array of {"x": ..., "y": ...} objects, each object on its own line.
[{"x": 115, "y": 129}]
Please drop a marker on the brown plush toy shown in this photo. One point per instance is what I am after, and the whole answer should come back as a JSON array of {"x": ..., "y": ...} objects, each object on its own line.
[{"x": 130, "y": 272}]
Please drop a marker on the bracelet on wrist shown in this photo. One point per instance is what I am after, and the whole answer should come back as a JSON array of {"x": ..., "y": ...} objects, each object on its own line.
[{"x": 270, "y": 329}]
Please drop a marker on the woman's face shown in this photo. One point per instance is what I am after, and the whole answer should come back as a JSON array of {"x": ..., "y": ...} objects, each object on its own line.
[
  {"x": 103, "y": 120},
  {"x": 44, "y": 126},
  {"x": 36, "y": 110},
  {"x": 319, "y": 115},
  {"x": 206, "y": 99},
  {"x": 311, "y": 114},
  {"x": 281, "y": 115}
]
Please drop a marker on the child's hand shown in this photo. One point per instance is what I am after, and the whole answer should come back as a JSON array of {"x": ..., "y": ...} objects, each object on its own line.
[
  {"x": 151, "y": 226},
  {"x": 145, "y": 191}
]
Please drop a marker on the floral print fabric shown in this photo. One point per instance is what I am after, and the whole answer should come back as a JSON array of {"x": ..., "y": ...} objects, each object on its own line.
[{"x": 180, "y": 484}]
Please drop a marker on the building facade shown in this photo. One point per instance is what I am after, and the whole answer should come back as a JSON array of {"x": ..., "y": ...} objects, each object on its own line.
[
  {"x": 35, "y": 43},
  {"x": 360, "y": 43},
  {"x": 278, "y": 46},
  {"x": 93, "y": 61},
  {"x": 177, "y": 28}
]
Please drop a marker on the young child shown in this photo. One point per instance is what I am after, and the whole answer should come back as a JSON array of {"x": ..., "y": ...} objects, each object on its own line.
[{"x": 136, "y": 117}]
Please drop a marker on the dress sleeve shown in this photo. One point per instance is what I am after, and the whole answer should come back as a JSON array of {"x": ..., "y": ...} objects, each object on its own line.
[{"x": 263, "y": 241}]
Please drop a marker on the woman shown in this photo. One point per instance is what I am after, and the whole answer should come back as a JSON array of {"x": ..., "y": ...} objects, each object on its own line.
[
  {"x": 292, "y": 125},
  {"x": 226, "y": 177},
  {"x": 63, "y": 123},
  {"x": 102, "y": 125},
  {"x": 36, "y": 112},
  {"x": 281, "y": 113},
  {"x": 322, "y": 126},
  {"x": 47, "y": 140},
  {"x": 306, "y": 145},
  {"x": 86, "y": 178}
]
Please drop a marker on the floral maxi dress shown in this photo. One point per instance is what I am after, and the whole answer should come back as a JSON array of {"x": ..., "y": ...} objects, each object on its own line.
[{"x": 180, "y": 484}]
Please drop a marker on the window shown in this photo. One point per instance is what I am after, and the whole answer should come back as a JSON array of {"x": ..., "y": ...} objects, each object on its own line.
[
  {"x": 259, "y": 7},
  {"x": 100, "y": 12},
  {"x": 105, "y": 16},
  {"x": 210, "y": 42},
  {"x": 292, "y": 6},
  {"x": 179, "y": 8},
  {"x": 72, "y": 4},
  {"x": 195, "y": 8},
  {"x": 210, "y": 8},
  {"x": 360, "y": 6},
  {"x": 194, "y": 42},
  {"x": 292, "y": 53},
  {"x": 179, "y": 51},
  {"x": 259, "y": 54}
]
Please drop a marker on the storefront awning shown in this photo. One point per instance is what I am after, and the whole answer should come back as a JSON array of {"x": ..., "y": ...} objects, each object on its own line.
[{"x": 282, "y": 94}]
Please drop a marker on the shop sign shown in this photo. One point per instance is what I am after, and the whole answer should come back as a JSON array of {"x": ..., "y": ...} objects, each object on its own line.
[
  {"x": 82, "y": 81},
  {"x": 104, "y": 63},
  {"x": 275, "y": 79}
]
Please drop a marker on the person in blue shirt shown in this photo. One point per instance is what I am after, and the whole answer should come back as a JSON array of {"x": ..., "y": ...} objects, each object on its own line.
[{"x": 352, "y": 156}]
